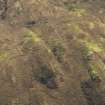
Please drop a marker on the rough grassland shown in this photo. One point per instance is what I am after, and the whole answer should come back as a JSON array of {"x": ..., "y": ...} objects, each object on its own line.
[{"x": 52, "y": 52}]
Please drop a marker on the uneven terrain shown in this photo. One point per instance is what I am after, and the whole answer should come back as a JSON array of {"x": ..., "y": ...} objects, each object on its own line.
[{"x": 52, "y": 52}]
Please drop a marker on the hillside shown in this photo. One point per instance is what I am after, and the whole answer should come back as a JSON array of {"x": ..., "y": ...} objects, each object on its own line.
[{"x": 52, "y": 52}]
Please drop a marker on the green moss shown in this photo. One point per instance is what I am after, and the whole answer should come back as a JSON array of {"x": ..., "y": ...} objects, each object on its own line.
[
  {"x": 92, "y": 46},
  {"x": 30, "y": 40},
  {"x": 31, "y": 36},
  {"x": 93, "y": 72}
]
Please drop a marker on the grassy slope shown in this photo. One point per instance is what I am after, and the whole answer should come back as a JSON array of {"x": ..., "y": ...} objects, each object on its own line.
[{"x": 46, "y": 63}]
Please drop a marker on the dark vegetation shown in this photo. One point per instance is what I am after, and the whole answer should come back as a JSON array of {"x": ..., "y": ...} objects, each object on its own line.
[
  {"x": 93, "y": 92},
  {"x": 3, "y": 8},
  {"x": 46, "y": 77}
]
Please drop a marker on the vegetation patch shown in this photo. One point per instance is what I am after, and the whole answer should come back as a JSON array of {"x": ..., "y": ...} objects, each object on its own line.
[
  {"x": 30, "y": 39},
  {"x": 31, "y": 36},
  {"x": 3, "y": 55},
  {"x": 93, "y": 92},
  {"x": 79, "y": 12},
  {"x": 93, "y": 72},
  {"x": 70, "y": 7},
  {"x": 76, "y": 28},
  {"x": 90, "y": 49},
  {"x": 46, "y": 77},
  {"x": 92, "y": 46},
  {"x": 75, "y": 9},
  {"x": 57, "y": 49}
]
